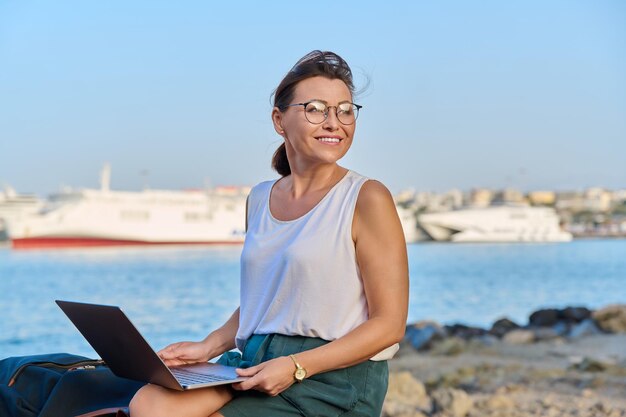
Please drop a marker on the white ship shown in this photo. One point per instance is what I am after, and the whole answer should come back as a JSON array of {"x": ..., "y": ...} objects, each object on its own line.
[
  {"x": 14, "y": 206},
  {"x": 102, "y": 217},
  {"x": 495, "y": 224},
  {"x": 409, "y": 223},
  {"x": 408, "y": 220}
]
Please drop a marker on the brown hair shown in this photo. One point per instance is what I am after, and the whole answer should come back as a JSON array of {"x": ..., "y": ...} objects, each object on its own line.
[{"x": 316, "y": 63}]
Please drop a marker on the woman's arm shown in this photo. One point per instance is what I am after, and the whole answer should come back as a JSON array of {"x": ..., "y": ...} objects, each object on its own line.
[
  {"x": 223, "y": 339},
  {"x": 382, "y": 259},
  {"x": 216, "y": 343}
]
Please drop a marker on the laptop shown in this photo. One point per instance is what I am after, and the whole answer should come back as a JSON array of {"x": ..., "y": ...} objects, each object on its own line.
[{"x": 118, "y": 342}]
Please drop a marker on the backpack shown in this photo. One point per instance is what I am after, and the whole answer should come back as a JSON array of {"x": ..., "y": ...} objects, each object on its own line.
[{"x": 61, "y": 384}]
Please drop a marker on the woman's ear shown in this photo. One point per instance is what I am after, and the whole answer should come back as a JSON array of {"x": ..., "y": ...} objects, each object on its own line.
[{"x": 277, "y": 120}]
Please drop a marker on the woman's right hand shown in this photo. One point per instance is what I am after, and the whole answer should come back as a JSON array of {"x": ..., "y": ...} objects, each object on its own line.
[
  {"x": 216, "y": 343},
  {"x": 183, "y": 353}
]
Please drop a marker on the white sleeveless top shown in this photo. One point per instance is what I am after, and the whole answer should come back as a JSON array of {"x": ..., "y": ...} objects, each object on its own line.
[{"x": 300, "y": 277}]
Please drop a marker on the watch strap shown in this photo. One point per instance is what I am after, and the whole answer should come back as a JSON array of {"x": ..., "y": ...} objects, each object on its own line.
[{"x": 299, "y": 369}]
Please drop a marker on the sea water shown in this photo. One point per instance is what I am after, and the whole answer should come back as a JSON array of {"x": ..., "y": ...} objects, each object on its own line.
[{"x": 182, "y": 293}]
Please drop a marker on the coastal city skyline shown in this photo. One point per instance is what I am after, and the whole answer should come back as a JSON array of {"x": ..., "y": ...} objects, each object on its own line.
[{"x": 524, "y": 95}]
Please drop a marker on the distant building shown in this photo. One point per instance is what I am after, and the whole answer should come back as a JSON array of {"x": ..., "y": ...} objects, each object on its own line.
[
  {"x": 570, "y": 201},
  {"x": 429, "y": 201},
  {"x": 508, "y": 195},
  {"x": 455, "y": 198},
  {"x": 597, "y": 200},
  {"x": 542, "y": 198},
  {"x": 426, "y": 201},
  {"x": 618, "y": 198},
  {"x": 423, "y": 199},
  {"x": 481, "y": 197}
]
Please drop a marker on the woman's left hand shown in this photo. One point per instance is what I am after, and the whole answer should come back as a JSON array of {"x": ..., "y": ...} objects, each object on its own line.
[{"x": 271, "y": 377}]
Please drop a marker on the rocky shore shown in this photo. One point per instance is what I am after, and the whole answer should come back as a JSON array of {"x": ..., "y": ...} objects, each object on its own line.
[{"x": 563, "y": 362}]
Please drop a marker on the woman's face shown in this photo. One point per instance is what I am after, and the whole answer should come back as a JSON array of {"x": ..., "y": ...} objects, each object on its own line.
[{"x": 310, "y": 143}]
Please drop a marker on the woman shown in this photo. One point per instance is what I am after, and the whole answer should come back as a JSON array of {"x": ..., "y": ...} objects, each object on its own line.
[{"x": 324, "y": 275}]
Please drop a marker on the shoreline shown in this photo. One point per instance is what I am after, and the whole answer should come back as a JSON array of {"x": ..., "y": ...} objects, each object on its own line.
[{"x": 569, "y": 362}]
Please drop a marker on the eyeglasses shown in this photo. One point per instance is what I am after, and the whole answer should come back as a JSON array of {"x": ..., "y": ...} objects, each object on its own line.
[{"x": 316, "y": 111}]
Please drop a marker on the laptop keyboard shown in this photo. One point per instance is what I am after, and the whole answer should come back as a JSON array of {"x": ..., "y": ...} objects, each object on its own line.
[{"x": 187, "y": 377}]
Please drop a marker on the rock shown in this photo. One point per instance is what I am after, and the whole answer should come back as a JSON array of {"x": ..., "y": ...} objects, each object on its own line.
[
  {"x": 465, "y": 377},
  {"x": 488, "y": 340},
  {"x": 503, "y": 326},
  {"x": 561, "y": 328},
  {"x": 611, "y": 318},
  {"x": 548, "y": 401},
  {"x": 405, "y": 395},
  {"x": 451, "y": 401},
  {"x": 499, "y": 402},
  {"x": 602, "y": 407},
  {"x": 519, "y": 337},
  {"x": 404, "y": 414},
  {"x": 587, "y": 393},
  {"x": 544, "y": 318},
  {"x": 553, "y": 412},
  {"x": 510, "y": 388},
  {"x": 575, "y": 314},
  {"x": 545, "y": 333},
  {"x": 590, "y": 365},
  {"x": 450, "y": 346},
  {"x": 483, "y": 341},
  {"x": 585, "y": 328},
  {"x": 464, "y": 332},
  {"x": 421, "y": 335}
]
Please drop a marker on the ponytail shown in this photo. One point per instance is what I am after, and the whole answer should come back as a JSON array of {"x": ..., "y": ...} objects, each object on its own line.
[{"x": 280, "y": 163}]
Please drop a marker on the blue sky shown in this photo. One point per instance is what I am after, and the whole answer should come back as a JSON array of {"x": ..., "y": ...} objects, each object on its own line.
[{"x": 529, "y": 94}]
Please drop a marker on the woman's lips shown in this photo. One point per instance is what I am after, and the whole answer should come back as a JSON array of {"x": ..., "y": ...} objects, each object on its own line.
[{"x": 329, "y": 140}]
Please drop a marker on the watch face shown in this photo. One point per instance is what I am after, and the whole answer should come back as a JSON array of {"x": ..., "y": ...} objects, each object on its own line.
[{"x": 300, "y": 374}]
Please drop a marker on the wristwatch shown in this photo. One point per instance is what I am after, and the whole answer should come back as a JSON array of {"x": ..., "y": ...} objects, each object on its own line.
[{"x": 300, "y": 373}]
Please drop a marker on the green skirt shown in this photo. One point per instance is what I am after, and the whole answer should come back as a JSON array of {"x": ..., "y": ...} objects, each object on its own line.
[{"x": 358, "y": 390}]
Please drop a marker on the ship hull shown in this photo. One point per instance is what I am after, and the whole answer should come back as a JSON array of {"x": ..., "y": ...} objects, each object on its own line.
[
  {"x": 94, "y": 218},
  {"x": 81, "y": 242}
]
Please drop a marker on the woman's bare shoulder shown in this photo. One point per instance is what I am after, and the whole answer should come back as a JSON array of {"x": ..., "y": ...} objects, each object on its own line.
[
  {"x": 374, "y": 195},
  {"x": 375, "y": 210}
]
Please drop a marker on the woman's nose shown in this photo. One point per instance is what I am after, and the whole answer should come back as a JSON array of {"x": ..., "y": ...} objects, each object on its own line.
[{"x": 331, "y": 122}]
